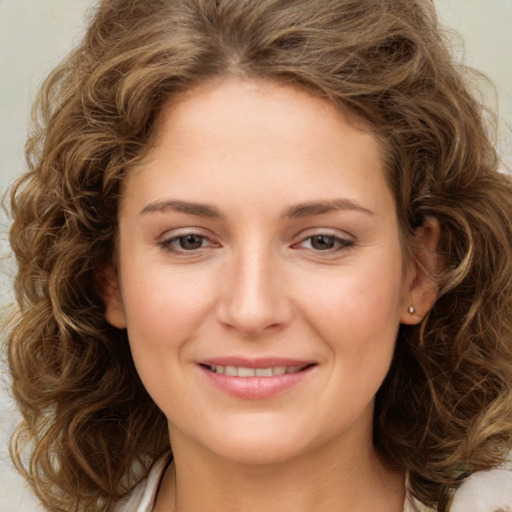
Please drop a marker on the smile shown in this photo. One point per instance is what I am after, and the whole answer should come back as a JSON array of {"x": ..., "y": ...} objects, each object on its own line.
[
  {"x": 256, "y": 379},
  {"x": 243, "y": 371}
]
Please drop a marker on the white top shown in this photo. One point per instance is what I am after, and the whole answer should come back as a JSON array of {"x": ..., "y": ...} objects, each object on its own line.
[
  {"x": 484, "y": 491},
  {"x": 142, "y": 498}
]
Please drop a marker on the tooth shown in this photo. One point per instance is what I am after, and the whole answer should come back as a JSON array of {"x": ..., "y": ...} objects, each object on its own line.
[
  {"x": 246, "y": 372},
  {"x": 243, "y": 371},
  {"x": 264, "y": 372},
  {"x": 230, "y": 370}
]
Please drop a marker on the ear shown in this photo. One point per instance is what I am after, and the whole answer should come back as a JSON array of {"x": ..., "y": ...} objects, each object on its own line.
[
  {"x": 424, "y": 267},
  {"x": 110, "y": 293}
]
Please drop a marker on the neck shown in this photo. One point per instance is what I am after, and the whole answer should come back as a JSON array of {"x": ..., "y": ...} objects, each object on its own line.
[{"x": 324, "y": 480}]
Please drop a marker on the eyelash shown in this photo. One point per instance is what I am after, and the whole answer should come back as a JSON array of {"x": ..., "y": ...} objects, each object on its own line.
[
  {"x": 339, "y": 244},
  {"x": 167, "y": 244}
]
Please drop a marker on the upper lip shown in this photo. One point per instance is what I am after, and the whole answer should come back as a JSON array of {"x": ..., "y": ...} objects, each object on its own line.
[{"x": 259, "y": 362}]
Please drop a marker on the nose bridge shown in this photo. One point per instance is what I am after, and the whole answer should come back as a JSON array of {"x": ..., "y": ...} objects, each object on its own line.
[{"x": 255, "y": 298}]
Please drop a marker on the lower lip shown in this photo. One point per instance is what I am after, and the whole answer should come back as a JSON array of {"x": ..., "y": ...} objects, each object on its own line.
[{"x": 256, "y": 388}]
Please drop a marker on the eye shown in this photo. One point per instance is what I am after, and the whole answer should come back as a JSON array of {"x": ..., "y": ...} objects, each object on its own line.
[
  {"x": 188, "y": 242},
  {"x": 322, "y": 242},
  {"x": 325, "y": 243}
]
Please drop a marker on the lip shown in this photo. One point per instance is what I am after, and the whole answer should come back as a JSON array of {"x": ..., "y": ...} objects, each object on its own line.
[
  {"x": 258, "y": 362},
  {"x": 256, "y": 388}
]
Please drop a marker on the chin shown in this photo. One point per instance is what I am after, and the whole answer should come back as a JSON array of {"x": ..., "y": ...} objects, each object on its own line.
[
  {"x": 261, "y": 443},
  {"x": 259, "y": 452}
]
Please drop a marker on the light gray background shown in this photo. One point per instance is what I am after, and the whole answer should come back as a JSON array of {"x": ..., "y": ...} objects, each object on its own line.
[{"x": 36, "y": 34}]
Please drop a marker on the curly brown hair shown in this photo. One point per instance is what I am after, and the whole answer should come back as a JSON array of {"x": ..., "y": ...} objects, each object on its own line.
[{"x": 90, "y": 430}]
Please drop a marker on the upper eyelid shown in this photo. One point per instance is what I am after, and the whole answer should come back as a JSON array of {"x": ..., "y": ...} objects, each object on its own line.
[
  {"x": 337, "y": 233},
  {"x": 183, "y": 231}
]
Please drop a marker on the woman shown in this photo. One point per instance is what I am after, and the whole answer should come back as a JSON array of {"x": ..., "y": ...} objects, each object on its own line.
[{"x": 271, "y": 237}]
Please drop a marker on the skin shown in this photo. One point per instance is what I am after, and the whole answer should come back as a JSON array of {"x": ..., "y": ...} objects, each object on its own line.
[{"x": 259, "y": 282}]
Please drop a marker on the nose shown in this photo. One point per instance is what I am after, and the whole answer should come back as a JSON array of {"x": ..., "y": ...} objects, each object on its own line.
[{"x": 254, "y": 297}]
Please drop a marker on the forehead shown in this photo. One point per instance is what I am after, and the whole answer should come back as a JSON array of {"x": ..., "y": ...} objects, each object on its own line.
[
  {"x": 240, "y": 136},
  {"x": 254, "y": 103}
]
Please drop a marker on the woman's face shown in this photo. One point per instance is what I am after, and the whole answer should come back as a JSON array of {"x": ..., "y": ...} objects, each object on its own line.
[{"x": 261, "y": 278}]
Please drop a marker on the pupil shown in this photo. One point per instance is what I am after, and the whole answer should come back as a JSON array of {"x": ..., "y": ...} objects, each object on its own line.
[
  {"x": 322, "y": 242},
  {"x": 191, "y": 242}
]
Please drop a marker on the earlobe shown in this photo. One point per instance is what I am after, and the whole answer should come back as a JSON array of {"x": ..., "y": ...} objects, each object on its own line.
[
  {"x": 425, "y": 267},
  {"x": 108, "y": 286}
]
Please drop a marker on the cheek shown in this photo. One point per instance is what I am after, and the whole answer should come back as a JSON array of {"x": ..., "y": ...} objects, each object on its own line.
[
  {"x": 163, "y": 313},
  {"x": 356, "y": 298},
  {"x": 163, "y": 307},
  {"x": 357, "y": 314}
]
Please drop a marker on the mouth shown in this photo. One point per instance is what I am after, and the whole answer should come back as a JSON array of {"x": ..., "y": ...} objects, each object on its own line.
[
  {"x": 256, "y": 379},
  {"x": 245, "y": 371}
]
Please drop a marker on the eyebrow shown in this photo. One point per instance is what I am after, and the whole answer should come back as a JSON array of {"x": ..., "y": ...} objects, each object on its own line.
[
  {"x": 296, "y": 211},
  {"x": 320, "y": 207},
  {"x": 198, "y": 209}
]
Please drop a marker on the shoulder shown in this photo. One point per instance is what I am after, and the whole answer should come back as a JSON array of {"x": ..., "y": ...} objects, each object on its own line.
[{"x": 142, "y": 497}]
